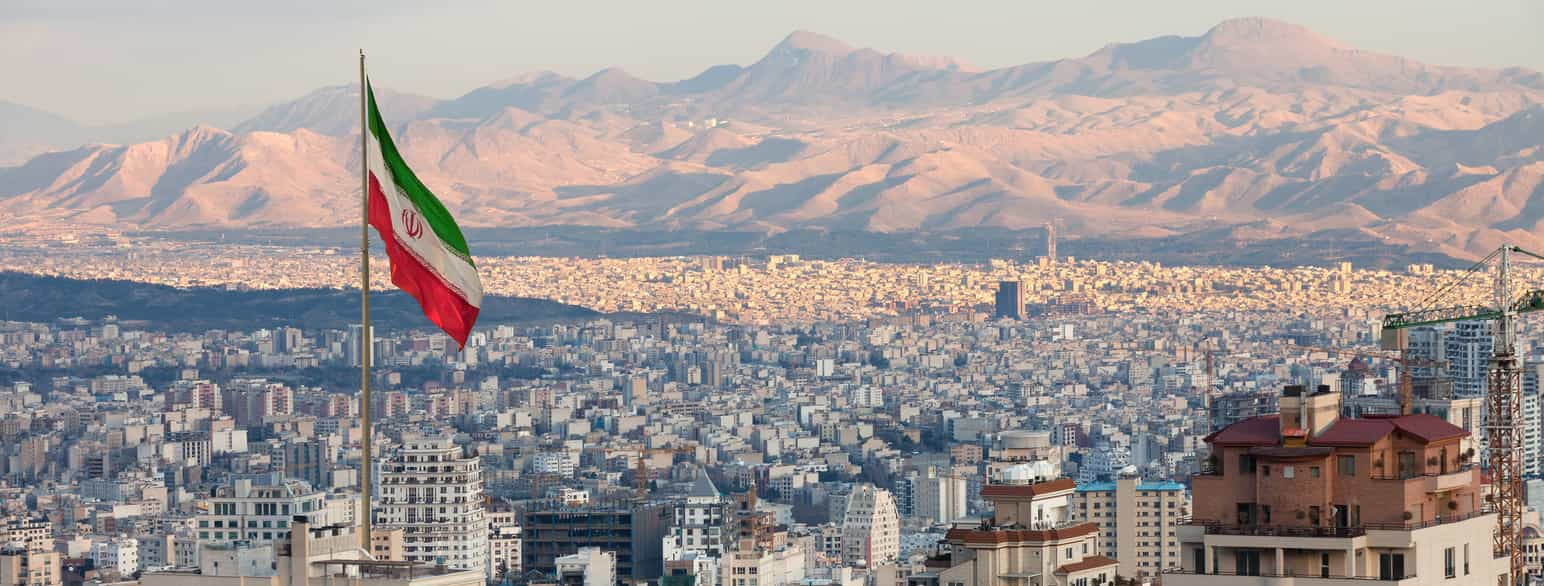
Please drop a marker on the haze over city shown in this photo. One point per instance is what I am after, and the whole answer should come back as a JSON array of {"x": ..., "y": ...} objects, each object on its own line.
[{"x": 781, "y": 294}]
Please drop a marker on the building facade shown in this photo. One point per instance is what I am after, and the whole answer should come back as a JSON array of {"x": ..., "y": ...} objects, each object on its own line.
[
  {"x": 242, "y": 512},
  {"x": 1033, "y": 538},
  {"x": 1010, "y": 300},
  {"x": 701, "y": 528},
  {"x": 434, "y": 494},
  {"x": 871, "y": 527},
  {"x": 633, "y": 530},
  {"x": 1307, "y": 493},
  {"x": 1137, "y": 521}
]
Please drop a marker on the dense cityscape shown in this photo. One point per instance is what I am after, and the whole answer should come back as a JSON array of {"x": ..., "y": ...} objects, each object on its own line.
[
  {"x": 771, "y": 293},
  {"x": 791, "y": 421}
]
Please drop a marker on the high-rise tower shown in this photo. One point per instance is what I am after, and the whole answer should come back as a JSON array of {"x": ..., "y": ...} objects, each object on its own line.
[
  {"x": 1050, "y": 242},
  {"x": 1010, "y": 300},
  {"x": 435, "y": 495}
]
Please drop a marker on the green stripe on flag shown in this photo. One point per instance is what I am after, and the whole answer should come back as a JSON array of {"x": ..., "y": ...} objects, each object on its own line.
[{"x": 433, "y": 212}]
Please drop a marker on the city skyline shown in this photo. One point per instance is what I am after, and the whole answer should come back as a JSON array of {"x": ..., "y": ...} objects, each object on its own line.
[{"x": 695, "y": 293}]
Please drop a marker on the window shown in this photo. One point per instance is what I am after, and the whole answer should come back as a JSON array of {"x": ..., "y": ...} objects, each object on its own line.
[
  {"x": 1449, "y": 568},
  {"x": 1265, "y": 470},
  {"x": 1288, "y": 472},
  {"x": 1347, "y": 465},
  {"x": 1313, "y": 471},
  {"x": 1246, "y": 562},
  {"x": 1407, "y": 465},
  {"x": 1391, "y": 566},
  {"x": 1466, "y": 559},
  {"x": 1069, "y": 553},
  {"x": 1324, "y": 565},
  {"x": 1265, "y": 514},
  {"x": 1313, "y": 515},
  {"x": 1246, "y": 463}
]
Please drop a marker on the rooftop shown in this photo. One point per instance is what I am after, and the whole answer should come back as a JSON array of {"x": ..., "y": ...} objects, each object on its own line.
[
  {"x": 1146, "y": 485},
  {"x": 1265, "y": 430},
  {"x": 1027, "y": 490},
  {"x": 1088, "y": 563}
]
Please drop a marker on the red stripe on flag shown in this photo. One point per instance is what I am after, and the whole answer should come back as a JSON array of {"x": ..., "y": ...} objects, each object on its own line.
[{"x": 441, "y": 304}]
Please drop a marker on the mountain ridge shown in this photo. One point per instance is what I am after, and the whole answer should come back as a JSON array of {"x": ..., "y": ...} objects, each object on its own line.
[{"x": 1254, "y": 120}]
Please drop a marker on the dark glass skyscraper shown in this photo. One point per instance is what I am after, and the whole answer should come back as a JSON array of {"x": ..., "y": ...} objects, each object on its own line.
[{"x": 1010, "y": 299}]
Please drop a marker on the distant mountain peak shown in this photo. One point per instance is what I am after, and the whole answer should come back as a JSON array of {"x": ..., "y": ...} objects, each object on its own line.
[
  {"x": 1259, "y": 29},
  {"x": 806, "y": 41},
  {"x": 612, "y": 74},
  {"x": 531, "y": 78}
]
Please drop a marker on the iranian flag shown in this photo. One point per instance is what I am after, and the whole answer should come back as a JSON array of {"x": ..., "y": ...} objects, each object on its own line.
[{"x": 429, "y": 257}]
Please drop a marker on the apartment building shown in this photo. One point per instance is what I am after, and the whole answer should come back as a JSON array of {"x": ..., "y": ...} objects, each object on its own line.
[
  {"x": 555, "y": 528},
  {"x": 503, "y": 544},
  {"x": 1032, "y": 538},
  {"x": 242, "y": 512},
  {"x": 21, "y": 566},
  {"x": 871, "y": 528},
  {"x": 120, "y": 554},
  {"x": 778, "y": 562},
  {"x": 1309, "y": 494},
  {"x": 1137, "y": 521},
  {"x": 434, "y": 494}
]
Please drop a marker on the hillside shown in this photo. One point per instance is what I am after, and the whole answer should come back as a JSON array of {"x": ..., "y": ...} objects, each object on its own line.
[
  {"x": 34, "y": 298},
  {"x": 1254, "y": 120}
]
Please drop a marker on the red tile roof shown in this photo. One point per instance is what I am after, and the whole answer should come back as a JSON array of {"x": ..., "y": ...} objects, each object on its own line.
[
  {"x": 1028, "y": 490},
  {"x": 1088, "y": 563},
  {"x": 1345, "y": 431},
  {"x": 994, "y": 536},
  {"x": 1365, "y": 432},
  {"x": 1353, "y": 432},
  {"x": 1264, "y": 430},
  {"x": 1429, "y": 427}
]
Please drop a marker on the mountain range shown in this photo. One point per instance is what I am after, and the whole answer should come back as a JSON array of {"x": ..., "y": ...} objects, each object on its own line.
[{"x": 1257, "y": 126}]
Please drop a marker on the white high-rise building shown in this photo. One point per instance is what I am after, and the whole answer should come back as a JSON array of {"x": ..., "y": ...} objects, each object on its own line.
[
  {"x": 434, "y": 494},
  {"x": 589, "y": 567},
  {"x": 871, "y": 529},
  {"x": 698, "y": 533},
  {"x": 939, "y": 497},
  {"x": 1427, "y": 343},
  {"x": 119, "y": 553},
  {"x": 1468, "y": 350},
  {"x": 1533, "y": 375},
  {"x": 560, "y": 462},
  {"x": 503, "y": 545},
  {"x": 699, "y": 522},
  {"x": 259, "y": 514}
]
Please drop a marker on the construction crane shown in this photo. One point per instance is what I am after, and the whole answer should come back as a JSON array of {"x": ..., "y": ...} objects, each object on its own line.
[
  {"x": 1406, "y": 362},
  {"x": 1503, "y": 398}
]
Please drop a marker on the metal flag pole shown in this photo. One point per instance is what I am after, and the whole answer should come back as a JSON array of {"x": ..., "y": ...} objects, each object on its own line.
[{"x": 365, "y": 461}]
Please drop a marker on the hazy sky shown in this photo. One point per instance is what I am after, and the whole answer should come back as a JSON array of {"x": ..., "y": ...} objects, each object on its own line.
[{"x": 113, "y": 60}]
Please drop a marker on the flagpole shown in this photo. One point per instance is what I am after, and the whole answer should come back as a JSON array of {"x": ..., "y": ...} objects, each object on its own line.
[{"x": 365, "y": 337}]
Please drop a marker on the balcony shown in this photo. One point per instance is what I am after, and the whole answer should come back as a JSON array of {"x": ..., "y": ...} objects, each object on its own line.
[
  {"x": 1439, "y": 520},
  {"x": 1216, "y": 528},
  {"x": 1212, "y": 527},
  {"x": 1432, "y": 481},
  {"x": 1182, "y": 577}
]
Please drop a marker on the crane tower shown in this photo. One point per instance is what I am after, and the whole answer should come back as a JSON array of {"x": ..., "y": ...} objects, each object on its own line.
[{"x": 1503, "y": 396}]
